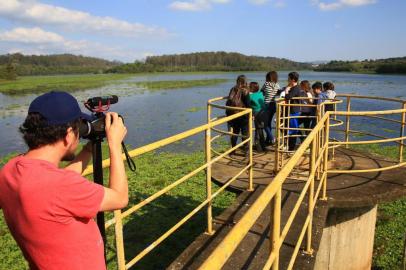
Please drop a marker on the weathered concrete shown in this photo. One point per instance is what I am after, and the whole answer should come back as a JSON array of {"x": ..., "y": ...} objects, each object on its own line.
[
  {"x": 253, "y": 251},
  {"x": 349, "y": 233},
  {"x": 348, "y": 240}
]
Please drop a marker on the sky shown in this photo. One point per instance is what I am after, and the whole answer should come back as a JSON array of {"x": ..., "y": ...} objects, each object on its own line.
[{"x": 129, "y": 30}]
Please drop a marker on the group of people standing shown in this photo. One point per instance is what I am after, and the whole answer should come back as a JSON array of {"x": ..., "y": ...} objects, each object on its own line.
[{"x": 262, "y": 101}]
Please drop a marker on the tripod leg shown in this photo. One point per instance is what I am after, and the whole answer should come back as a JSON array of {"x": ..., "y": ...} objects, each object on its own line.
[{"x": 98, "y": 179}]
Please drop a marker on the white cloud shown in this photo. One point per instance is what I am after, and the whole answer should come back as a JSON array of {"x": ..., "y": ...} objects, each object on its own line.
[
  {"x": 277, "y": 3},
  {"x": 258, "y": 2},
  {"x": 341, "y": 4},
  {"x": 43, "y": 14},
  {"x": 195, "y": 5},
  {"x": 30, "y": 35},
  {"x": 38, "y": 41}
]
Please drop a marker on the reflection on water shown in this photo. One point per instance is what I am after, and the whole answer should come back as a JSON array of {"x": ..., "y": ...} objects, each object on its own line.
[{"x": 151, "y": 116}]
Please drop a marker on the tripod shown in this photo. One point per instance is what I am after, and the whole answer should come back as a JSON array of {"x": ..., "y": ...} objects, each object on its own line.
[{"x": 98, "y": 179}]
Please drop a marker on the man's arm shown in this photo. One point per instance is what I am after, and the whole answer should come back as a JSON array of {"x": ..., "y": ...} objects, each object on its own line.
[
  {"x": 80, "y": 162},
  {"x": 116, "y": 195}
]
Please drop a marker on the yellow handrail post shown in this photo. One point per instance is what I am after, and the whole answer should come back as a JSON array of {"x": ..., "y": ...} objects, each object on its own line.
[
  {"x": 277, "y": 135},
  {"x": 317, "y": 141},
  {"x": 402, "y": 130},
  {"x": 312, "y": 163},
  {"x": 276, "y": 226},
  {"x": 119, "y": 240},
  {"x": 288, "y": 126},
  {"x": 333, "y": 150},
  {"x": 208, "y": 174},
  {"x": 347, "y": 121},
  {"x": 325, "y": 161},
  {"x": 251, "y": 161}
]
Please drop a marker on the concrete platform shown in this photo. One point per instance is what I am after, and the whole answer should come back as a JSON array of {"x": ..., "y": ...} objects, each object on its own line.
[{"x": 344, "y": 191}]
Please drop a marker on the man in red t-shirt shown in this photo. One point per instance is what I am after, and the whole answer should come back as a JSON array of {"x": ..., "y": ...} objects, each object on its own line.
[{"x": 50, "y": 210}]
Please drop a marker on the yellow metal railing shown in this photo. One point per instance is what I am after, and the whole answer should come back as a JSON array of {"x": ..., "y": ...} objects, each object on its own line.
[
  {"x": 313, "y": 152},
  {"x": 283, "y": 117},
  {"x": 319, "y": 143},
  {"x": 376, "y": 115},
  {"x": 211, "y": 124},
  {"x": 273, "y": 193}
]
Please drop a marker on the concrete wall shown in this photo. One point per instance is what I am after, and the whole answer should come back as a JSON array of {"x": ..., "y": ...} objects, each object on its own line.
[{"x": 348, "y": 239}]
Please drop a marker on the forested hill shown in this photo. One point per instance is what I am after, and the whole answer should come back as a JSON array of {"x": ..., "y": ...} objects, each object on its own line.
[
  {"x": 209, "y": 61},
  {"x": 55, "y": 64},
  {"x": 381, "y": 66}
]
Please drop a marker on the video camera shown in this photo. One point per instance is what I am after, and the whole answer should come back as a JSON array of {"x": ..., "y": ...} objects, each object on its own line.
[{"x": 95, "y": 128}]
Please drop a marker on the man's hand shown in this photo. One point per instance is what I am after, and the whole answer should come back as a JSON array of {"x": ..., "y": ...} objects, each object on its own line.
[{"x": 115, "y": 129}]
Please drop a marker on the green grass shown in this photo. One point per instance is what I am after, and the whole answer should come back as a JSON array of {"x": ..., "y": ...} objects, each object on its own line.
[
  {"x": 391, "y": 223},
  {"x": 389, "y": 235},
  {"x": 154, "y": 171},
  {"x": 159, "y": 85},
  {"x": 39, "y": 84}
]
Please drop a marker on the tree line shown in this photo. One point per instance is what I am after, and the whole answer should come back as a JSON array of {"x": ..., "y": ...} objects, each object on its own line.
[
  {"x": 380, "y": 66},
  {"x": 208, "y": 61},
  {"x": 13, "y": 65},
  {"x": 23, "y": 65}
]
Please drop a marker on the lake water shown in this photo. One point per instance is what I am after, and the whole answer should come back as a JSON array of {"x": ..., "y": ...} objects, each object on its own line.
[{"x": 154, "y": 115}]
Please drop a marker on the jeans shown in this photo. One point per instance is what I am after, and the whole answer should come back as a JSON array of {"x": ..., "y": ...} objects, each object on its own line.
[
  {"x": 293, "y": 123},
  {"x": 238, "y": 125},
  {"x": 268, "y": 127}
]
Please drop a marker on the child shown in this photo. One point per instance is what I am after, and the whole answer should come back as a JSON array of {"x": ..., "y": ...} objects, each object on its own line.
[
  {"x": 328, "y": 89},
  {"x": 257, "y": 103},
  {"x": 306, "y": 111},
  {"x": 319, "y": 97}
]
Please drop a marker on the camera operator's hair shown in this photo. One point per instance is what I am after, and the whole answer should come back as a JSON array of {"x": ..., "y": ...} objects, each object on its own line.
[{"x": 37, "y": 132}]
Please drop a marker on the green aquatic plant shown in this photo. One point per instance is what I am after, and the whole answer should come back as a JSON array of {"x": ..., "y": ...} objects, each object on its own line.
[
  {"x": 174, "y": 84},
  {"x": 196, "y": 109},
  {"x": 40, "y": 84}
]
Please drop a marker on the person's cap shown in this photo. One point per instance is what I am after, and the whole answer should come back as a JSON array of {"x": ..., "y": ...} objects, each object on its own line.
[{"x": 57, "y": 108}]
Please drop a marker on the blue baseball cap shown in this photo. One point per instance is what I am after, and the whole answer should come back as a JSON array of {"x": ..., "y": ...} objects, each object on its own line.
[{"x": 57, "y": 108}]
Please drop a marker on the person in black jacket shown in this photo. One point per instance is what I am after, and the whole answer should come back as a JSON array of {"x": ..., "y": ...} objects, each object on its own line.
[
  {"x": 238, "y": 97},
  {"x": 292, "y": 90}
]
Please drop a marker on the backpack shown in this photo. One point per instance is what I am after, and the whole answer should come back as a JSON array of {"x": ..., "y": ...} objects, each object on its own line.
[{"x": 235, "y": 100}]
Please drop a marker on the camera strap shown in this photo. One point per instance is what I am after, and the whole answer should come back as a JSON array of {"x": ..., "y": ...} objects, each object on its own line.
[{"x": 130, "y": 161}]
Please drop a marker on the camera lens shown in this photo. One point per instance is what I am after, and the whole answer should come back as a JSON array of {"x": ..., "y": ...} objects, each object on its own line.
[{"x": 85, "y": 128}]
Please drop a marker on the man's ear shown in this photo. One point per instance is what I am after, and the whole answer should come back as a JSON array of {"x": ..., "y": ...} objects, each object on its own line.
[{"x": 70, "y": 137}]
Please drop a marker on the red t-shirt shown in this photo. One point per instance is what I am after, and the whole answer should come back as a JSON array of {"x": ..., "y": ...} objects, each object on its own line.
[{"x": 50, "y": 212}]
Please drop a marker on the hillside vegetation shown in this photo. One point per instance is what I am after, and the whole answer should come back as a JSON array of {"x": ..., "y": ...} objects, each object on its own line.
[
  {"x": 209, "y": 61},
  {"x": 380, "y": 66},
  {"x": 54, "y": 64}
]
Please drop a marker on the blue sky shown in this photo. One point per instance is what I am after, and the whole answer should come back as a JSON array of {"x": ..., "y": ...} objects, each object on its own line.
[{"x": 126, "y": 30}]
